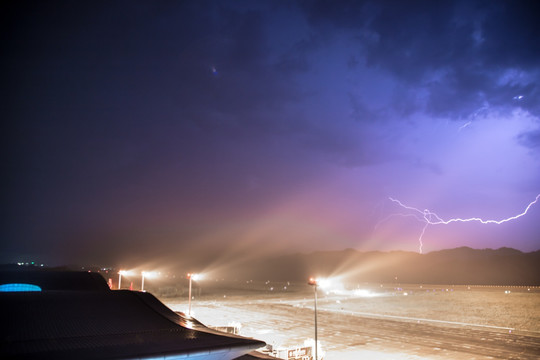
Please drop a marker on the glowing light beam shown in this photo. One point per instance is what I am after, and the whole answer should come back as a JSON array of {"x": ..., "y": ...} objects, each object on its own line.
[{"x": 431, "y": 218}]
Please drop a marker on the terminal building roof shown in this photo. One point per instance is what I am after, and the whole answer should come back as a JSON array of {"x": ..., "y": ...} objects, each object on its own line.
[{"x": 93, "y": 322}]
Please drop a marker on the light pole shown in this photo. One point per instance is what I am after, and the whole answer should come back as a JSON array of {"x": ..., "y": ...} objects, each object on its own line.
[
  {"x": 120, "y": 273},
  {"x": 313, "y": 282},
  {"x": 142, "y": 281},
  {"x": 148, "y": 274},
  {"x": 191, "y": 277}
]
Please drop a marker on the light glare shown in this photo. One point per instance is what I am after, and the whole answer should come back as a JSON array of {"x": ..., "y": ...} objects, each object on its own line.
[
  {"x": 324, "y": 283},
  {"x": 150, "y": 274},
  {"x": 195, "y": 277}
]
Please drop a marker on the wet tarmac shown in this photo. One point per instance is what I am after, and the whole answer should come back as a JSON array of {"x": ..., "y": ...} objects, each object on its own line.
[{"x": 348, "y": 334}]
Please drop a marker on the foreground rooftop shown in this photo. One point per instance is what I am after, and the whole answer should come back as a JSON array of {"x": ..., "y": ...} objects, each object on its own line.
[{"x": 94, "y": 322}]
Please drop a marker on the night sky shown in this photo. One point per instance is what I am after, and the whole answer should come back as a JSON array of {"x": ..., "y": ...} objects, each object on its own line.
[{"x": 165, "y": 130}]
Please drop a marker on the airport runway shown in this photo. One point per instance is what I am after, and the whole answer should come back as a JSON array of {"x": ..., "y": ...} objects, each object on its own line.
[{"x": 350, "y": 335}]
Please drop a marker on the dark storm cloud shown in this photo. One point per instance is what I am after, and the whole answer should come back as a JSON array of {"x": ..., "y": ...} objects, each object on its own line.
[
  {"x": 164, "y": 52},
  {"x": 530, "y": 139},
  {"x": 463, "y": 53},
  {"x": 172, "y": 120},
  {"x": 294, "y": 61},
  {"x": 118, "y": 104},
  {"x": 116, "y": 71}
]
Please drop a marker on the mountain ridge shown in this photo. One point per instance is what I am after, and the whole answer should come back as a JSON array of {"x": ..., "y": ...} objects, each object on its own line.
[{"x": 463, "y": 265}]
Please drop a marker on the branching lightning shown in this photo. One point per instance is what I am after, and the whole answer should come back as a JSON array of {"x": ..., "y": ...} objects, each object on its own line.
[{"x": 430, "y": 218}]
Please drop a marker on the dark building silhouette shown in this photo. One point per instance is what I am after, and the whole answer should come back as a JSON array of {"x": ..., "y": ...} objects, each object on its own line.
[{"x": 75, "y": 315}]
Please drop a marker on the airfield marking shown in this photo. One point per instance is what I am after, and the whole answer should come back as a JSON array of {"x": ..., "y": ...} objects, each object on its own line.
[
  {"x": 415, "y": 319},
  {"x": 374, "y": 315}
]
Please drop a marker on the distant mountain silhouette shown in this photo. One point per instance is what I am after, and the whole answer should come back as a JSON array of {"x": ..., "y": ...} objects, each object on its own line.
[{"x": 464, "y": 265}]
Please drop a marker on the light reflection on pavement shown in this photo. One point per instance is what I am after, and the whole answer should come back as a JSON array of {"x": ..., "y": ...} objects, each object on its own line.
[{"x": 345, "y": 334}]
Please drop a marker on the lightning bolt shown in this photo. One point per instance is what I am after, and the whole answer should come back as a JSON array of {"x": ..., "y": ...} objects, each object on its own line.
[
  {"x": 430, "y": 218},
  {"x": 464, "y": 125}
]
